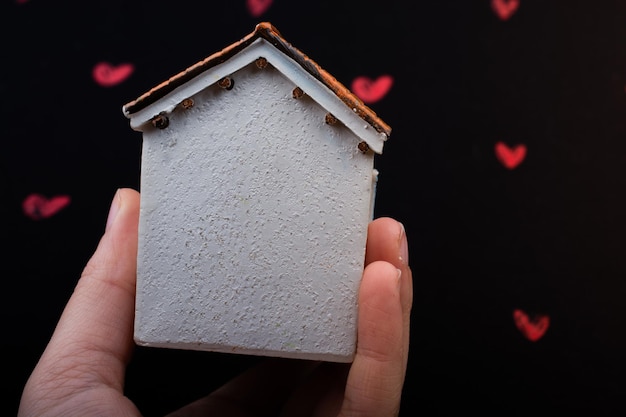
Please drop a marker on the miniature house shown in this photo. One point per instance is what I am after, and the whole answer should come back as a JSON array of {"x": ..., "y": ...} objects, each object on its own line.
[{"x": 257, "y": 187}]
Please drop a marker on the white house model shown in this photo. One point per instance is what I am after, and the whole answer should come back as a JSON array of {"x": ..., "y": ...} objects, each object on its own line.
[{"x": 257, "y": 188}]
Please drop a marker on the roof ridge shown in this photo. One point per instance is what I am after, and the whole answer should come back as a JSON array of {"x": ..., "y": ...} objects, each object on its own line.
[{"x": 270, "y": 33}]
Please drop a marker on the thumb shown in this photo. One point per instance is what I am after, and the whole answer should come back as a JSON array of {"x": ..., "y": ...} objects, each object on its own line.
[{"x": 92, "y": 342}]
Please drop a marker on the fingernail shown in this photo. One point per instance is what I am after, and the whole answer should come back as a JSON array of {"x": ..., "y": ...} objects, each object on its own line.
[
  {"x": 115, "y": 208},
  {"x": 404, "y": 246}
]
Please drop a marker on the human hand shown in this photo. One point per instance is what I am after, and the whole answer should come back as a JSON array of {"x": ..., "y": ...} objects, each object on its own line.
[{"x": 81, "y": 371}]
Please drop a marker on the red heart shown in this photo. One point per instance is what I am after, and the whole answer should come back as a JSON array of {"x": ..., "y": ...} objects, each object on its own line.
[
  {"x": 510, "y": 157},
  {"x": 504, "y": 9},
  {"x": 533, "y": 329},
  {"x": 370, "y": 90},
  {"x": 108, "y": 75},
  {"x": 258, "y": 7},
  {"x": 38, "y": 207}
]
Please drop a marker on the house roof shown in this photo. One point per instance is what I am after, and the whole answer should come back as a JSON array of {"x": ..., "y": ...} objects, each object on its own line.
[{"x": 268, "y": 32}]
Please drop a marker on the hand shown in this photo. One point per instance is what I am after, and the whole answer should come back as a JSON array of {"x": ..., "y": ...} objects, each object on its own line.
[{"x": 81, "y": 372}]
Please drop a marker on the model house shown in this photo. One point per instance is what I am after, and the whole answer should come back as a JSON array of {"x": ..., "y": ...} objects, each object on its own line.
[{"x": 257, "y": 187}]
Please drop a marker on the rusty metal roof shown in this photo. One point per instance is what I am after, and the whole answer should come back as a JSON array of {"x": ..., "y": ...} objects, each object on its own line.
[{"x": 268, "y": 32}]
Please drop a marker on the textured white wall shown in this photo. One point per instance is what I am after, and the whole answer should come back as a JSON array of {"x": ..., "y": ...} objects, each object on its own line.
[{"x": 253, "y": 225}]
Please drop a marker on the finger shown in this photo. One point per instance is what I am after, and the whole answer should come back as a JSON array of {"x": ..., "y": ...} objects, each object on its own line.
[
  {"x": 93, "y": 339},
  {"x": 366, "y": 393},
  {"x": 387, "y": 241},
  {"x": 260, "y": 391},
  {"x": 376, "y": 377},
  {"x": 321, "y": 394}
]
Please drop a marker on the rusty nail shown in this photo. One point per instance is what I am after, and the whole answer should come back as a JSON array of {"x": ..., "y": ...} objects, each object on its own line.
[
  {"x": 187, "y": 103},
  {"x": 297, "y": 92},
  {"x": 261, "y": 62},
  {"x": 330, "y": 119},
  {"x": 160, "y": 121},
  {"x": 226, "y": 83},
  {"x": 363, "y": 147}
]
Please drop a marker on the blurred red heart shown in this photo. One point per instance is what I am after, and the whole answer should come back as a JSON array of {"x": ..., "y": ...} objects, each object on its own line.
[
  {"x": 371, "y": 91},
  {"x": 108, "y": 75},
  {"x": 38, "y": 207},
  {"x": 533, "y": 329},
  {"x": 258, "y": 7},
  {"x": 504, "y": 9},
  {"x": 510, "y": 157}
]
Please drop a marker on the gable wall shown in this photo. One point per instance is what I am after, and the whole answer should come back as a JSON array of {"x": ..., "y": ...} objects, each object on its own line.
[{"x": 258, "y": 209}]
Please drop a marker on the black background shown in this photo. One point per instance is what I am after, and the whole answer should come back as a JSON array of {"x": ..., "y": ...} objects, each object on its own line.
[{"x": 546, "y": 237}]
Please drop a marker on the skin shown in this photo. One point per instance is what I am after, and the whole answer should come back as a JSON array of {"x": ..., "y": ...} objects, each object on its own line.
[{"x": 81, "y": 371}]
